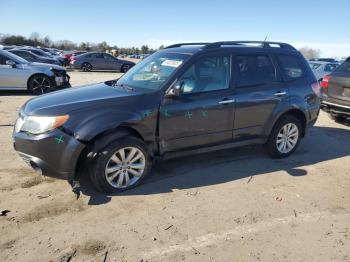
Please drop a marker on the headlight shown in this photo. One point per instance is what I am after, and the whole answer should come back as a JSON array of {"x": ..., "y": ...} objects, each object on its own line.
[{"x": 40, "y": 124}]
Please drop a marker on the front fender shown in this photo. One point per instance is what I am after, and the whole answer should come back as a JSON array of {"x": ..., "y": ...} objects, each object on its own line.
[{"x": 89, "y": 124}]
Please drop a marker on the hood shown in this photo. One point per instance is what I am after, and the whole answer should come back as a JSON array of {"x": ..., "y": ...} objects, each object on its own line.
[
  {"x": 44, "y": 66},
  {"x": 79, "y": 98}
]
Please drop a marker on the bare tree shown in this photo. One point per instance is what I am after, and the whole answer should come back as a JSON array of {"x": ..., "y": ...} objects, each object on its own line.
[{"x": 310, "y": 53}]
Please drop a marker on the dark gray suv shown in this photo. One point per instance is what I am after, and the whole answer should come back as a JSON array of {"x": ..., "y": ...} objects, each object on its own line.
[{"x": 187, "y": 98}]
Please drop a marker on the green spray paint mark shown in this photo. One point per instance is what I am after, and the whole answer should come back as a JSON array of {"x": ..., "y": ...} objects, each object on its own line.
[
  {"x": 188, "y": 115},
  {"x": 147, "y": 113},
  {"x": 204, "y": 113},
  {"x": 59, "y": 139},
  {"x": 166, "y": 113}
]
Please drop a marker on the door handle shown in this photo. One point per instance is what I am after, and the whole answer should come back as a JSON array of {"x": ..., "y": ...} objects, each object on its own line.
[
  {"x": 228, "y": 101},
  {"x": 280, "y": 93}
]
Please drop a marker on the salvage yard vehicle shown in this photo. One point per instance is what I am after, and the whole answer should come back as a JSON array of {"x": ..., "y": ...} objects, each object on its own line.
[
  {"x": 31, "y": 57},
  {"x": 17, "y": 73},
  {"x": 335, "y": 92},
  {"x": 100, "y": 61},
  {"x": 184, "y": 99},
  {"x": 320, "y": 68}
]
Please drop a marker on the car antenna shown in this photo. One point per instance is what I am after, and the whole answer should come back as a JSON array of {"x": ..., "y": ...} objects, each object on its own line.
[{"x": 263, "y": 43}]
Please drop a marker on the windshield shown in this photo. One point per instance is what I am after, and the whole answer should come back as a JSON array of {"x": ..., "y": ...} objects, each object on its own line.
[
  {"x": 152, "y": 72},
  {"x": 314, "y": 65}
]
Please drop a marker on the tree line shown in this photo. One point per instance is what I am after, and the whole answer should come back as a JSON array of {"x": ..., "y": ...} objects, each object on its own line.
[{"x": 36, "y": 40}]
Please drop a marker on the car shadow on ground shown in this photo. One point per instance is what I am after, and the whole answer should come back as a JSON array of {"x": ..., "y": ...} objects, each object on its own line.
[
  {"x": 15, "y": 93},
  {"x": 320, "y": 144}
]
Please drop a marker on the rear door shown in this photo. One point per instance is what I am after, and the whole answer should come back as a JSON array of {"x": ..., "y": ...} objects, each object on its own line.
[
  {"x": 110, "y": 63},
  {"x": 258, "y": 93},
  {"x": 339, "y": 83}
]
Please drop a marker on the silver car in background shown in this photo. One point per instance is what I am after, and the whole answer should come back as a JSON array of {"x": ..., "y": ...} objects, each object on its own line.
[
  {"x": 17, "y": 73},
  {"x": 320, "y": 68},
  {"x": 100, "y": 61},
  {"x": 31, "y": 57}
]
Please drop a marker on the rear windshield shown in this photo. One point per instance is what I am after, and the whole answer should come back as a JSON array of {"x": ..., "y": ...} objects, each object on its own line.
[{"x": 344, "y": 67}]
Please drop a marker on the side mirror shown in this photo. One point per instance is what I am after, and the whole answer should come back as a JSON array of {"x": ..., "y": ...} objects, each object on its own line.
[
  {"x": 10, "y": 63},
  {"x": 176, "y": 89}
]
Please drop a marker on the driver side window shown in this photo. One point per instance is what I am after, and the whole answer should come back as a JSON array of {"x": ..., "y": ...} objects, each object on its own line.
[{"x": 207, "y": 74}]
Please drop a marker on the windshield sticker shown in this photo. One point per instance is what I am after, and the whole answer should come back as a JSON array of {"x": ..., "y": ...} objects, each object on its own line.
[{"x": 171, "y": 63}]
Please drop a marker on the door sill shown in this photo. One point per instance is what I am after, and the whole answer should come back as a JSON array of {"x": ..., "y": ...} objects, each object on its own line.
[{"x": 175, "y": 154}]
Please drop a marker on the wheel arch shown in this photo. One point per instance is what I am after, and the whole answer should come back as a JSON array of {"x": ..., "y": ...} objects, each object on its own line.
[
  {"x": 295, "y": 112},
  {"x": 101, "y": 140},
  {"x": 36, "y": 74}
]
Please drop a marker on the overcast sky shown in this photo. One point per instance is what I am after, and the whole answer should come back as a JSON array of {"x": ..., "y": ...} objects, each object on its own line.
[{"x": 318, "y": 24}]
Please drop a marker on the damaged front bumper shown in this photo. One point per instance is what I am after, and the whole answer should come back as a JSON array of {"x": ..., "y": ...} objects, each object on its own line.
[{"x": 54, "y": 154}]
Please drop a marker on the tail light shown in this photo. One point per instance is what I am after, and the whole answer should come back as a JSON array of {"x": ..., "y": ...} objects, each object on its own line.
[
  {"x": 316, "y": 88},
  {"x": 325, "y": 81}
]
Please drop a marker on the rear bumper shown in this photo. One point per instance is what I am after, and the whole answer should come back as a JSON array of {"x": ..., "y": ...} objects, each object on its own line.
[
  {"x": 335, "y": 108},
  {"x": 54, "y": 154}
]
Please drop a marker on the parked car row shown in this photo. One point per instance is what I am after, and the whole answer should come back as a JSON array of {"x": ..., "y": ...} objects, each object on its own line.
[
  {"x": 321, "y": 68},
  {"x": 17, "y": 73},
  {"x": 85, "y": 61}
]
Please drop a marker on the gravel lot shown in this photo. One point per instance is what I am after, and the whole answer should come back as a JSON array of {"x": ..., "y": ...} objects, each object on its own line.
[{"x": 232, "y": 205}]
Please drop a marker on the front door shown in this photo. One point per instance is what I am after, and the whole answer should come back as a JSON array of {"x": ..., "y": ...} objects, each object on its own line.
[
  {"x": 259, "y": 92},
  {"x": 11, "y": 76},
  {"x": 203, "y": 114}
]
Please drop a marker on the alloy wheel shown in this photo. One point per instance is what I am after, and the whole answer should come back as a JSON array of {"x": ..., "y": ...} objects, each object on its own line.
[
  {"x": 125, "y": 167},
  {"x": 287, "y": 138},
  {"x": 41, "y": 85}
]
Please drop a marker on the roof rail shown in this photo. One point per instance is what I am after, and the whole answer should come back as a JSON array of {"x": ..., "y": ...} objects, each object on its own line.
[
  {"x": 264, "y": 44},
  {"x": 185, "y": 44}
]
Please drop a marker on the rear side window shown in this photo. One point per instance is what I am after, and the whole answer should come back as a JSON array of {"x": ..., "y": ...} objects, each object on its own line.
[
  {"x": 254, "y": 70},
  {"x": 291, "y": 66},
  {"x": 344, "y": 67}
]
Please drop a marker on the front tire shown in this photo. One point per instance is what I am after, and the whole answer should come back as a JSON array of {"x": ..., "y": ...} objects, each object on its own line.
[
  {"x": 40, "y": 84},
  {"x": 285, "y": 137},
  {"x": 121, "y": 165}
]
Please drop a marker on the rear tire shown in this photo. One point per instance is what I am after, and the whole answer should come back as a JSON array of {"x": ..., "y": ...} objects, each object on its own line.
[
  {"x": 285, "y": 137},
  {"x": 86, "y": 67},
  {"x": 121, "y": 165},
  {"x": 40, "y": 84}
]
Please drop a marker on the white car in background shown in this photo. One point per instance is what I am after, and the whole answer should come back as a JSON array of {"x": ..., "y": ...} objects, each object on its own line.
[{"x": 321, "y": 68}]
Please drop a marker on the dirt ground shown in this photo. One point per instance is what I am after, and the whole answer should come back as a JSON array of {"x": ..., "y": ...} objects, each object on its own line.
[{"x": 232, "y": 205}]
